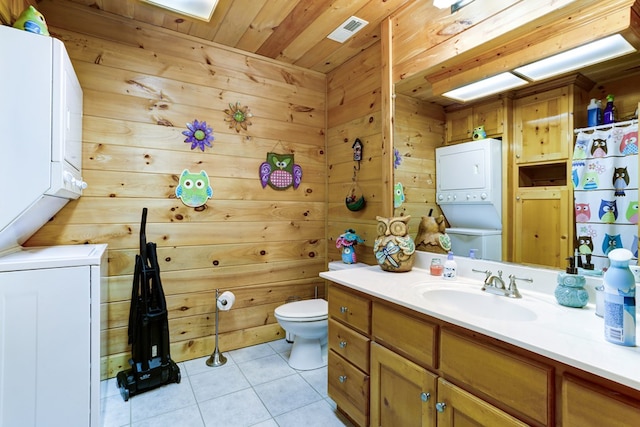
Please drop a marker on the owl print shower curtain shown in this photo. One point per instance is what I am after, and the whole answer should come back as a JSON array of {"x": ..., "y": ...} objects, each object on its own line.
[{"x": 605, "y": 182}]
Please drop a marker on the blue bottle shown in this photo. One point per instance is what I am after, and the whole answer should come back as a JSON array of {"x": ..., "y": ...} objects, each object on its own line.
[
  {"x": 620, "y": 300},
  {"x": 594, "y": 114},
  {"x": 610, "y": 112}
]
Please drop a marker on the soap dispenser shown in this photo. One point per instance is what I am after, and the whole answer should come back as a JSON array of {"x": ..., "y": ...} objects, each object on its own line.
[
  {"x": 570, "y": 291},
  {"x": 450, "y": 267}
]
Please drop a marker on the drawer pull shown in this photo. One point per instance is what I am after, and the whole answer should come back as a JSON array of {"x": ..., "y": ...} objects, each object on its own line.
[
  {"x": 342, "y": 344},
  {"x": 344, "y": 309},
  {"x": 342, "y": 378},
  {"x": 440, "y": 406},
  {"x": 425, "y": 396}
]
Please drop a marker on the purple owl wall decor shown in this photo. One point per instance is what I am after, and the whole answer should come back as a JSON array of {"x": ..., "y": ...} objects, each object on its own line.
[{"x": 280, "y": 172}]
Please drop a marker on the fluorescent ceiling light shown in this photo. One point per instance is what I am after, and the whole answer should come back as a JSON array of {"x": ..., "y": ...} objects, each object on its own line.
[
  {"x": 443, "y": 4},
  {"x": 200, "y": 9},
  {"x": 489, "y": 86},
  {"x": 580, "y": 57}
]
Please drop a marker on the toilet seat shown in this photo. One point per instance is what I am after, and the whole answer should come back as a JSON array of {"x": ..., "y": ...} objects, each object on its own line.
[{"x": 303, "y": 311}]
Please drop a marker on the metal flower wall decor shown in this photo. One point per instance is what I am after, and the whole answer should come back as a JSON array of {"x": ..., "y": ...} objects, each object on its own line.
[
  {"x": 198, "y": 134},
  {"x": 238, "y": 117}
]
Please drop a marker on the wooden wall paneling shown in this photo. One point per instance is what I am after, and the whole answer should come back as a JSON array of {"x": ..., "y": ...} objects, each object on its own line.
[
  {"x": 354, "y": 108},
  {"x": 419, "y": 128},
  {"x": 140, "y": 88}
]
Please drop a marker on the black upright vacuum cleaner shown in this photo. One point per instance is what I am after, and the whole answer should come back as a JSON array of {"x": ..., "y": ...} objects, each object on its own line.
[{"x": 151, "y": 364}]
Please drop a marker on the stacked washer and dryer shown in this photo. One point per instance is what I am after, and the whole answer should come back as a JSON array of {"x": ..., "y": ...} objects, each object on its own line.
[{"x": 469, "y": 192}]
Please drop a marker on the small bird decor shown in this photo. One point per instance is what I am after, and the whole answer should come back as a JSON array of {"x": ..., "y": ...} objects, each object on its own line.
[
  {"x": 347, "y": 242},
  {"x": 280, "y": 172},
  {"x": 32, "y": 21}
]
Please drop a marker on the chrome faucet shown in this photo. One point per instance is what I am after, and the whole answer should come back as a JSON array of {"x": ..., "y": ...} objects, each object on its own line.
[{"x": 494, "y": 284}]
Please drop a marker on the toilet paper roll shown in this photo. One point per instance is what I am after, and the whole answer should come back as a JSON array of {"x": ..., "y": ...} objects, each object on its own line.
[{"x": 226, "y": 300}]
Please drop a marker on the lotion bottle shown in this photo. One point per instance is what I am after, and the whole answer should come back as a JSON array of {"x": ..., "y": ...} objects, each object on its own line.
[
  {"x": 450, "y": 267},
  {"x": 619, "y": 300}
]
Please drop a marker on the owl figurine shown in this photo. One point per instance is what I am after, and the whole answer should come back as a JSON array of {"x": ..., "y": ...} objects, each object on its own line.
[
  {"x": 394, "y": 248},
  {"x": 32, "y": 21},
  {"x": 194, "y": 189},
  {"x": 280, "y": 172},
  {"x": 347, "y": 242}
]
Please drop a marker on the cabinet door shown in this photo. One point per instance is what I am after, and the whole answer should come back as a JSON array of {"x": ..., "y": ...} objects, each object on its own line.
[
  {"x": 542, "y": 127},
  {"x": 457, "y": 408},
  {"x": 490, "y": 115},
  {"x": 402, "y": 393},
  {"x": 45, "y": 347},
  {"x": 542, "y": 226},
  {"x": 588, "y": 405},
  {"x": 460, "y": 125}
]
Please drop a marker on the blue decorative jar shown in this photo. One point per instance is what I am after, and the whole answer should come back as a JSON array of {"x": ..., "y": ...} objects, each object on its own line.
[{"x": 570, "y": 291}]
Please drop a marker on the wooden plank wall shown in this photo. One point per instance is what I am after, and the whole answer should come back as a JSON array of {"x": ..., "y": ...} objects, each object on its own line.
[
  {"x": 419, "y": 129},
  {"x": 354, "y": 111},
  {"x": 141, "y": 85}
]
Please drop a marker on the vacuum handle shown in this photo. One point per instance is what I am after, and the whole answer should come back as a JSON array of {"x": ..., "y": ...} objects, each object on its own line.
[{"x": 143, "y": 236}]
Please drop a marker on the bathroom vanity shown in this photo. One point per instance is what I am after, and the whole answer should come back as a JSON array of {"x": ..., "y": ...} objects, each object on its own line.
[{"x": 414, "y": 349}]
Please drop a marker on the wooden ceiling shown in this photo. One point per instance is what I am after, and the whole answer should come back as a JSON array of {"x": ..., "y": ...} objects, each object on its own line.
[{"x": 292, "y": 31}]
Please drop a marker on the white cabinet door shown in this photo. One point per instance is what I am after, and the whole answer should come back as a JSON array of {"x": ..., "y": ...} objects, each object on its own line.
[{"x": 45, "y": 347}]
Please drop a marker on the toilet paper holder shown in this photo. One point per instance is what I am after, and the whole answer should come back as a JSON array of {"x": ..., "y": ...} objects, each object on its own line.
[{"x": 223, "y": 302}]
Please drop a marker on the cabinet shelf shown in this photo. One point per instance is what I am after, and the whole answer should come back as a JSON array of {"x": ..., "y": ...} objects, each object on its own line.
[{"x": 546, "y": 175}]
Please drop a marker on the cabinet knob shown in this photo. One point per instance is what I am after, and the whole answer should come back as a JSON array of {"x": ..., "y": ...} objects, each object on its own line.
[
  {"x": 343, "y": 309},
  {"x": 342, "y": 344},
  {"x": 425, "y": 396},
  {"x": 440, "y": 406},
  {"x": 518, "y": 198},
  {"x": 342, "y": 378}
]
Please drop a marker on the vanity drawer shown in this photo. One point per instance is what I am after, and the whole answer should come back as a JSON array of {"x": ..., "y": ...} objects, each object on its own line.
[
  {"x": 349, "y": 388},
  {"x": 349, "y": 308},
  {"x": 524, "y": 385},
  {"x": 349, "y": 344},
  {"x": 407, "y": 334},
  {"x": 586, "y": 404}
]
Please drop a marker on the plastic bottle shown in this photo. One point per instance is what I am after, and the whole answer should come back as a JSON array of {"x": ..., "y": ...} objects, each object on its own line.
[
  {"x": 592, "y": 113},
  {"x": 619, "y": 300},
  {"x": 600, "y": 109},
  {"x": 609, "y": 115},
  {"x": 450, "y": 267}
]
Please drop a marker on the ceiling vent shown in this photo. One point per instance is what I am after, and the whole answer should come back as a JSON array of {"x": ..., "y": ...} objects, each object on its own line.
[{"x": 347, "y": 29}]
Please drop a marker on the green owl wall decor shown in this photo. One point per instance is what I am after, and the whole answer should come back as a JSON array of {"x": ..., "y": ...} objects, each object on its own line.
[
  {"x": 280, "y": 172},
  {"x": 194, "y": 189}
]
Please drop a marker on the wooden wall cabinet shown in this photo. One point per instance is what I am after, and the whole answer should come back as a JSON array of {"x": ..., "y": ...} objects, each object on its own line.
[
  {"x": 543, "y": 225},
  {"x": 540, "y": 162},
  {"x": 460, "y": 123}
]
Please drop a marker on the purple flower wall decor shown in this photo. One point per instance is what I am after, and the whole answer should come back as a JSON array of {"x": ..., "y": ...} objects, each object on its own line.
[
  {"x": 397, "y": 158},
  {"x": 198, "y": 134}
]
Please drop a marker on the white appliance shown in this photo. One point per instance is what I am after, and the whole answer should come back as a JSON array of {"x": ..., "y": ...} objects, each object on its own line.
[
  {"x": 469, "y": 192},
  {"x": 40, "y": 133},
  {"x": 50, "y": 335}
]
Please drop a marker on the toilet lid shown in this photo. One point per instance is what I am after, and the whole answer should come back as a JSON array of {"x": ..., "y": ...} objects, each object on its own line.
[{"x": 311, "y": 308}]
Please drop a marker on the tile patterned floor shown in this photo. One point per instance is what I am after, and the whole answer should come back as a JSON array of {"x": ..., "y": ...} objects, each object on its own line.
[{"x": 256, "y": 387}]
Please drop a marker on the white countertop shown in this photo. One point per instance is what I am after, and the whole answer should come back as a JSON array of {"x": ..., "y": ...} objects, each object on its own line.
[{"x": 574, "y": 336}]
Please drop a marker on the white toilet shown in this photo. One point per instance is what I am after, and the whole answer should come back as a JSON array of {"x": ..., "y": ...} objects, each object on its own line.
[{"x": 307, "y": 321}]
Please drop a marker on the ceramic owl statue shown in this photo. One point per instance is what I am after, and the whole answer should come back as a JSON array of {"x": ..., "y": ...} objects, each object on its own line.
[
  {"x": 32, "y": 21},
  {"x": 394, "y": 248}
]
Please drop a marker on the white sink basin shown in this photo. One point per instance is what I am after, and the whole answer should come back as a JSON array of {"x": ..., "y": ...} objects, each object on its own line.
[{"x": 475, "y": 302}]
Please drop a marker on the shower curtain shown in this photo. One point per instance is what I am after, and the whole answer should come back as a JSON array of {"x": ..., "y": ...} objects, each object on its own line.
[{"x": 605, "y": 182}]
